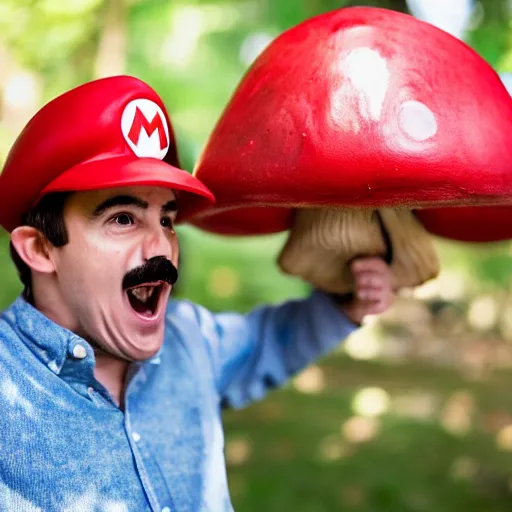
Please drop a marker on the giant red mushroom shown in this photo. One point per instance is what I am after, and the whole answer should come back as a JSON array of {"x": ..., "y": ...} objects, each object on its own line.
[
  {"x": 473, "y": 224},
  {"x": 344, "y": 126}
]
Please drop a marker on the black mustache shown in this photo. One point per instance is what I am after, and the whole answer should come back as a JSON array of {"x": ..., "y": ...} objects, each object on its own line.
[{"x": 155, "y": 269}]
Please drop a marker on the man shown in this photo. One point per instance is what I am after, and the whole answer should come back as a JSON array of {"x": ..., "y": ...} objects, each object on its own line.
[{"x": 111, "y": 396}]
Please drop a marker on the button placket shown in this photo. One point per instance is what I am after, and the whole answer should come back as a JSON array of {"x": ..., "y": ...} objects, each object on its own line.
[
  {"x": 149, "y": 471},
  {"x": 79, "y": 351}
]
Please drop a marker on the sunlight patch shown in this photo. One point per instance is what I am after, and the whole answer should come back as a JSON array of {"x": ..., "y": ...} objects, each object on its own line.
[
  {"x": 457, "y": 413},
  {"x": 310, "y": 381},
  {"x": 332, "y": 448},
  {"x": 504, "y": 439},
  {"x": 463, "y": 468},
  {"x": 370, "y": 402},
  {"x": 359, "y": 429},
  {"x": 418, "y": 405},
  {"x": 363, "y": 344},
  {"x": 238, "y": 451}
]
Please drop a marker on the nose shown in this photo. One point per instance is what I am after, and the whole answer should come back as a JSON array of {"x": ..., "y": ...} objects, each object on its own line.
[{"x": 157, "y": 242}]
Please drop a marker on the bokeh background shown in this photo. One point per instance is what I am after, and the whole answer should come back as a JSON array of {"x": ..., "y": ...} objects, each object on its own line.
[{"x": 414, "y": 411}]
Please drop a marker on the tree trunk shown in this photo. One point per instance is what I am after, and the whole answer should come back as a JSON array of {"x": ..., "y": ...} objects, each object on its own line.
[{"x": 112, "y": 47}]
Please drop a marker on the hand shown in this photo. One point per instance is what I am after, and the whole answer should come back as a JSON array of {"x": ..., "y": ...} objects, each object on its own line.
[{"x": 373, "y": 292}]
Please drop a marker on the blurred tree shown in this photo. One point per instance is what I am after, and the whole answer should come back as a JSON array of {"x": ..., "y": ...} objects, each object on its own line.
[
  {"x": 193, "y": 52},
  {"x": 111, "y": 55}
]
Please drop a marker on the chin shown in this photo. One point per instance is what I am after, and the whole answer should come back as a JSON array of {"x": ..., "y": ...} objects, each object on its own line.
[{"x": 145, "y": 347}]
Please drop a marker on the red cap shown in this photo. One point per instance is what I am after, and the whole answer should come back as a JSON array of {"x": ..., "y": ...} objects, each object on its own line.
[
  {"x": 107, "y": 133},
  {"x": 361, "y": 107}
]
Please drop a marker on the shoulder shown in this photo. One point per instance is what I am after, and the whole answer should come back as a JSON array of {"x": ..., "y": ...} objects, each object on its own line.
[
  {"x": 190, "y": 325},
  {"x": 14, "y": 357},
  {"x": 186, "y": 314},
  {"x": 8, "y": 332}
]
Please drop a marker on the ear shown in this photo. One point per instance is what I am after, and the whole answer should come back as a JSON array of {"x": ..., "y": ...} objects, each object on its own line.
[{"x": 32, "y": 248}]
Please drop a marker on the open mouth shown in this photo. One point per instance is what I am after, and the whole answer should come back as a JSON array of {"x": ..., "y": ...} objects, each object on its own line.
[{"x": 145, "y": 299}]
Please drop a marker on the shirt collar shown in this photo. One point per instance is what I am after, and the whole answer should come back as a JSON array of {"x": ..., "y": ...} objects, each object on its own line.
[{"x": 50, "y": 343}]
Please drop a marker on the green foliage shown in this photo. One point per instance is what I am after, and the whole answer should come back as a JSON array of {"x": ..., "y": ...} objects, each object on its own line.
[
  {"x": 215, "y": 272},
  {"x": 9, "y": 283}
]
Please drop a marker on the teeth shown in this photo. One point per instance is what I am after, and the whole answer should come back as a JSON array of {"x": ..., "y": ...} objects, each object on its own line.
[{"x": 143, "y": 293}]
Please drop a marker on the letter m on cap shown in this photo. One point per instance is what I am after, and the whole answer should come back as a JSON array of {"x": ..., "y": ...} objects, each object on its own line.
[
  {"x": 145, "y": 128},
  {"x": 140, "y": 121}
]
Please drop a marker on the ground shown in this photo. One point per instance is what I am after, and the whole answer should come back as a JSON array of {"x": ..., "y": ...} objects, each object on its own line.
[{"x": 416, "y": 439}]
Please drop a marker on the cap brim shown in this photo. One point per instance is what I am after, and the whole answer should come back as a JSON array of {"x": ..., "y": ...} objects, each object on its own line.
[{"x": 126, "y": 171}]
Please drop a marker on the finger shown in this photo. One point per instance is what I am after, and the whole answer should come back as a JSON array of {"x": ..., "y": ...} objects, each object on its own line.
[
  {"x": 373, "y": 278},
  {"x": 383, "y": 304},
  {"x": 361, "y": 308},
  {"x": 373, "y": 307},
  {"x": 370, "y": 280},
  {"x": 369, "y": 294},
  {"x": 370, "y": 263},
  {"x": 368, "y": 308}
]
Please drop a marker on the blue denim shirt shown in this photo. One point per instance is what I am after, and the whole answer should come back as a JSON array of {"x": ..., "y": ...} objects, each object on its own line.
[{"x": 64, "y": 444}]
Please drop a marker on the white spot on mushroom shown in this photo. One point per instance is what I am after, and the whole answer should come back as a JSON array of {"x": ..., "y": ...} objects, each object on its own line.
[
  {"x": 11, "y": 393},
  {"x": 368, "y": 71},
  {"x": 417, "y": 121}
]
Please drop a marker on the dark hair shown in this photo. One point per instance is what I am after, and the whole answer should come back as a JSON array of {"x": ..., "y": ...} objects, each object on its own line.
[{"x": 48, "y": 218}]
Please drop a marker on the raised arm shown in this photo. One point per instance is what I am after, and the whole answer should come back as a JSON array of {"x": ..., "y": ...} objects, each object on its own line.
[{"x": 259, "y": 351}]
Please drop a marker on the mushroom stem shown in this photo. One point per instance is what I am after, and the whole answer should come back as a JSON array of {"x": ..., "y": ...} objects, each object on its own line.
[{"x": 323, "y": 242}]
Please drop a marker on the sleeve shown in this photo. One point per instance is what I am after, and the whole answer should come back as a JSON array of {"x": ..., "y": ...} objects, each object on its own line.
[{"x": 254, "y": 353}]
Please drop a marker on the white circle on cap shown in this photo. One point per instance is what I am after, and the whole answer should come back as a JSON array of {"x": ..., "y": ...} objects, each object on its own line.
[
  {"x": 145, "y": 129},
  {"x": 417, "y": 120}
]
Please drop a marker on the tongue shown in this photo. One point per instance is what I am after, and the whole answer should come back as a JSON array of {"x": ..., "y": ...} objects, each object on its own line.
[{"x": 139, "y": 306}]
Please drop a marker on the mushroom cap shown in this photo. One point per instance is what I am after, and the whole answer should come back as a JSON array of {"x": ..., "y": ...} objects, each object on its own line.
[
  {"x": 478, "y": 224},
  {"x": 363, "y": 107}
]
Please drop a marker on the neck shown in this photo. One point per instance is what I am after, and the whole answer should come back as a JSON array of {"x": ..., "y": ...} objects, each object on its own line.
[
  {"x": 47, "y": 299},
  {"x": 109, "y": 370},
  {"x": 111, "y": 373}
]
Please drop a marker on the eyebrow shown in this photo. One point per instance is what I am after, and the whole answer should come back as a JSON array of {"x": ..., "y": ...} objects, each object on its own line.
[
  {"x": 112, "y": 202},
  {"x": 170, "y": 207}
]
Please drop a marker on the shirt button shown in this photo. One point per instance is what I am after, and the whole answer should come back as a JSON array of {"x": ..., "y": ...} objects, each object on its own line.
[
  {"x": 136, "y": 438},
  {"x": 166, "y": 509},
  {"x": 79, "y": 351}
]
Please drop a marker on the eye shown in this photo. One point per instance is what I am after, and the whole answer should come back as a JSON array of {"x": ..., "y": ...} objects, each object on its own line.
[
  {"x": 123, "y": 219},
  {"x": 166, "y": 222}
]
